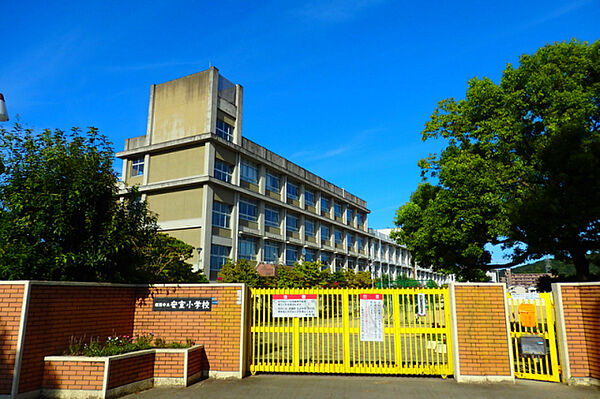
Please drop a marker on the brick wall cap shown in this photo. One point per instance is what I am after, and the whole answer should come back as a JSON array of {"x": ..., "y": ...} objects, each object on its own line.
[
  {"x": 117, "y": 357},
  {"x": 589, "y": 283},
  {"x": 13, "y": 282},
  {"x": 93, "y": 284},
  {"x": 456, "y": 284}
]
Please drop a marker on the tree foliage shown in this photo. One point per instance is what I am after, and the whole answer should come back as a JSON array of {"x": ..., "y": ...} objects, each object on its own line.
[
  {"x": 302, "y": 275},
  {"x": 521, "y": 167},
  {"x": 61, "y": 217}
]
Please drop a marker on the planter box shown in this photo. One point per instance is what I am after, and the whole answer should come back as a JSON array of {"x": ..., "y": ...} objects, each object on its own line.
[{"x": 113, "y": 376}]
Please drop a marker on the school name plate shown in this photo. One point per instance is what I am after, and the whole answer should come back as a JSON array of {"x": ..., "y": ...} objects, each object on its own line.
[{"x": 182, "y": 304}]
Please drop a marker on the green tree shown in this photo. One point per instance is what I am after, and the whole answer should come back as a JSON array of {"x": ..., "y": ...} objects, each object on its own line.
[
  {"x": 521, "y": 167},
  {"x": 242, "y": 271},
  {"x": 60, "y": 213}
]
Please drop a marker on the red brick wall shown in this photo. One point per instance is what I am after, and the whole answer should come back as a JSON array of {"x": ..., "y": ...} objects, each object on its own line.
[
  {"x": 73, "y": 375},
  {"x": 130, "y": 369},
  {"x": 581, "y": 307},
  {"x": 169, "y": 365},
  {"x": 197, "y": 361},
  {"x": 218, "y": 330},
  {"x": 481, "y": 327},
  {"x": 59, "y": 312},
  {"x": 11, "y": 297}
]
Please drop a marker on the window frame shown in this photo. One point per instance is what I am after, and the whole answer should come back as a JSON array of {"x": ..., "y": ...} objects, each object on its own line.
[
  {"x": 226, "y": 131},
  {"x": 270, "y": 176},
  {"x": 271, "y": 245},
  {"x": 306, "y": 232},
  {"x": 242, "y": 244},
  {"x": 288, "y": 227},
  {"x": 288, "y": 249},
  {"x": 245, "y": 167},
  {"x": 137, "y": 166},
  {"x": 249, "y": 204},
  {"x": 337, "y": 233},
  {"x": 221, "y": 214},
  {"x": 216, "y": 258},
  {"x": 224, "y": 173},
  {"x": 272, "y": 210},
  {"x": 307, "y": 193},
  {"x": 296, "y": 189},
  {"x": 337, "y": 209}
]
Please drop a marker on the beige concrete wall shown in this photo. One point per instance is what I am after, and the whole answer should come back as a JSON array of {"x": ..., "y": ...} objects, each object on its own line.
[
  {"x": 177, "y": 205},
  {"x": 192, "y": 237},
  {"x": 180, "y": 107},
  {"x": 176, "y": 164},
  {"x": 224, "y": 196},
  {"x": 225, "y": 155}
]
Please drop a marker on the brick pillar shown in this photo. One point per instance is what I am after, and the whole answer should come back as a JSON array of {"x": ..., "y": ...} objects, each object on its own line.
[
  {"x": 577, "y": 308},
  {"x": 481, "y": 333}
]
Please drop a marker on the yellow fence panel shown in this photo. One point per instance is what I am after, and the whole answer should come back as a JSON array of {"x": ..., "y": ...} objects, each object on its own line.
[
  {"x": 400, "y": 331},
  {"x": 533, "y": 336}
]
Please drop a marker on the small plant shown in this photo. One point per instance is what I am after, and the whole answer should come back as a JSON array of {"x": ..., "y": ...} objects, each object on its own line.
[{"x": 119, "y": 344}]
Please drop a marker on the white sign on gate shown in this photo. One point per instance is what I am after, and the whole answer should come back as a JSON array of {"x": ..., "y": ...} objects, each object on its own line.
[
  {"x": 302, "y": 305},
  {"x": 371, "y": 317}
]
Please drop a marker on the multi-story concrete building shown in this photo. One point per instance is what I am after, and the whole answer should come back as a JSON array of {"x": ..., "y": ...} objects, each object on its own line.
[{"x": 231, "y": 198}]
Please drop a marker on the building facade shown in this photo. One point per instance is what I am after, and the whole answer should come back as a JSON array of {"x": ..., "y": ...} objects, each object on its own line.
[{"x": 231, "y": 198}]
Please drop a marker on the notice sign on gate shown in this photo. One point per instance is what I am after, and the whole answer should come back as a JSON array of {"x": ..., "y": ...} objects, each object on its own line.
[
  {"x": 371, "y": 317},
  {"x": 301, "y": 305}
]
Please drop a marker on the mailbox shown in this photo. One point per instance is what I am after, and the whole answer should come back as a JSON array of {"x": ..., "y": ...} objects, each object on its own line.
[
  {"x": 533, "y": 345},
  {"x": 527, "y": 315}
]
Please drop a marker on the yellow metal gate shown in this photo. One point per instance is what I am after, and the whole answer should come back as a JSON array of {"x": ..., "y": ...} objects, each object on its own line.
[
  {"x": 367, "y": 331},
  {"x": 533, "y": 336}
]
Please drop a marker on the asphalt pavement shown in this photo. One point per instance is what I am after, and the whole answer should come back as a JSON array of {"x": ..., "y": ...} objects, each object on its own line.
[{"x": 290, "y": 386}]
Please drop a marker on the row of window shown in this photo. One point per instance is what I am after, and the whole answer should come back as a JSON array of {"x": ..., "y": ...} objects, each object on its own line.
[
  {"x": 249, "y": 174},
  {"x": 247, "y": 249},
  {"x": 249, "y": 211}
]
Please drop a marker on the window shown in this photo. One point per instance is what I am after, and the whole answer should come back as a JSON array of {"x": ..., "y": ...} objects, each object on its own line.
[
  {"x": 271, "y": 216},
  {"x": 221, "y": 215},
  {"x": 339, "y": 262},
  {"x": 249, "y": 172},
  {"x": 309, "y": 227},
  {"x": 291, "y": 255},
  {"x": 137, "y": 167},
  {"x": 218, "y": 257},
  {"x": 359, "y": 218},
  {"x": 349, "y": 215},
  {"x": 271, "y": 252},
  {"x": 324, "y": 205},
  {"x": 272, "y": 182},
  {"x": 337, "y": 209},
  {"x": 292, "y": 191},
  {"x": 224, "y": 130},
  {"x": 359, "y": 240},
  {"x": 349, "y": 239},
  {"x": 292, "y": 223},
  {"x": 248, "y": 210},
  {"x": 324, "y": 258},
  {"x": 324, "y": 233},
  {"x": 247, "y": 248},
  {"x": 309, "y": 198},
  {"x": 338, "y": 236},
  {"x": 309, "y": 255},
  {"x": 223, "y": 171}
]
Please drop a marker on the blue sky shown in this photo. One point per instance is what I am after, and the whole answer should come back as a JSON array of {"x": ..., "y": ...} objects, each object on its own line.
[{"x": 343, "y": 88}]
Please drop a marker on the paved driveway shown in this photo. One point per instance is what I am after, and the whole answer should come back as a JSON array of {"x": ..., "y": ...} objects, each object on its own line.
[{"x": 289, "y": 386}]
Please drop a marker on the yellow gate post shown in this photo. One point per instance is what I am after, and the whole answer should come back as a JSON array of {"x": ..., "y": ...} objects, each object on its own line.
[{"x": 346, "y": 330}]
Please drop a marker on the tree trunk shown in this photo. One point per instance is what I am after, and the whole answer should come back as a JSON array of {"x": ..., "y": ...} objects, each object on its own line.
[{"x": 582, "y": 264}]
